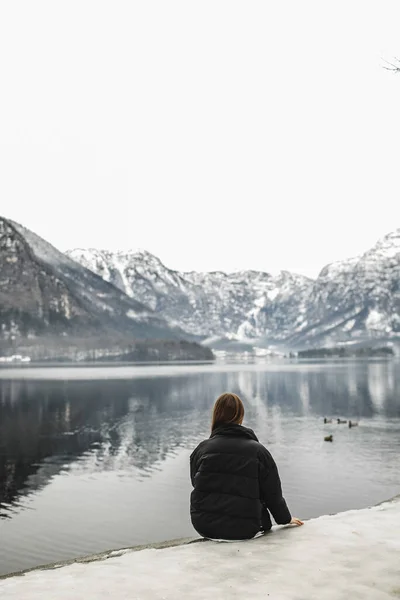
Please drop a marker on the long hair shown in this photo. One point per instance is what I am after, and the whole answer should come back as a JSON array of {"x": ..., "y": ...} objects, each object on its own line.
[{"x": 228, "y": 408}]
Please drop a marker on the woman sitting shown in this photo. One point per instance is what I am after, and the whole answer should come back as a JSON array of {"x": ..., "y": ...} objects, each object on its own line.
[{"x": 235, "y": 479}]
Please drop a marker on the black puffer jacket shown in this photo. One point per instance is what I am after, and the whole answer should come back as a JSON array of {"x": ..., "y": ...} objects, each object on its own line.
[{"x": 235, "y": 479}]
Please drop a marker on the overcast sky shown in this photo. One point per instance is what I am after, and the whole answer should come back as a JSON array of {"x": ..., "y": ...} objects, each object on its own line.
[{"x": 216, "y": 134}]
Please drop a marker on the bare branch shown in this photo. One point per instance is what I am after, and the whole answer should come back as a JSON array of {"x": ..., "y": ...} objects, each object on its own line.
[{"x": 395, "y": 68}]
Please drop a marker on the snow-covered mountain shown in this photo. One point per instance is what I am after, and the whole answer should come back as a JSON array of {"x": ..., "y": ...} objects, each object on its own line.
[
  {"x": 45, "y": 284},
  {"x": 357, "y": 299},
  {"x": 245, "y": 305},
  {"x": 93, "y": 292},
  {"x": 351, "y": 301},
  {"x": 46, "y": 294}
]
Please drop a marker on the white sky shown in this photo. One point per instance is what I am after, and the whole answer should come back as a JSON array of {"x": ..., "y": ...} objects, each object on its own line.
[{"x": 215, "y": 134}]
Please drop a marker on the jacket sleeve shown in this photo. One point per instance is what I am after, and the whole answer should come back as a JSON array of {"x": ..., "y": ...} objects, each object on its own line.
[
  {"x": 271, "y": 489},
  {"x": 193, "y": 464}
]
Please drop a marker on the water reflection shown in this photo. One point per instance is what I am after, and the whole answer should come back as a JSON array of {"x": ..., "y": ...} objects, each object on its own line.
[
  {"x": 44, "y": 426},
  {"x": 136, "y": 424}
]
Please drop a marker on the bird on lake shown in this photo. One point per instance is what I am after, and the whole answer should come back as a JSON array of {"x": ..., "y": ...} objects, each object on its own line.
[
  {"x": 327, "y": 420},
  {"x": 352, "y": 424},
  {"x": 340, "y": 422},
  {"x": 328, "y": 438}
]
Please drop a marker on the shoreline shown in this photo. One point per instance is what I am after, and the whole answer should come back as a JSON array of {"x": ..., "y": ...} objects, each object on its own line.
[
  {"x": 178, "y": 542},
  {"x": 353, "y": 554},
  {"x": 116, "y": 371},
  {"x": 104, "y": 555}
]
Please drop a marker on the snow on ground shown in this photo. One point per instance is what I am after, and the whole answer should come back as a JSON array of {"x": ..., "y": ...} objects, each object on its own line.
[{"x": 352, "y": 555}]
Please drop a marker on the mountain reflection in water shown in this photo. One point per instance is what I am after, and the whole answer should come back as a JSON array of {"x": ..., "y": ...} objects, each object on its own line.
[{"x": 136, "y": 428}]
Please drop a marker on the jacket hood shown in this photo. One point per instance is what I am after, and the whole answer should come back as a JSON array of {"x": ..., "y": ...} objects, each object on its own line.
[{"x": 233, "y": 430}]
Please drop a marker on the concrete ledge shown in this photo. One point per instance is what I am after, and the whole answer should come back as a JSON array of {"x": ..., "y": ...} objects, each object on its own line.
[
  {"x": 355, "y": 554},
  {"x": 106, "y": 554}
]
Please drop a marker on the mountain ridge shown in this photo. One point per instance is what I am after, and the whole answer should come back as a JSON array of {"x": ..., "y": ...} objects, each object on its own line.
[
  {"x": 133, "y": 295},
  {"x": 45, "y": 295},
  {"x": 351, "y": 300},
  {"x": 205, "y": 304}
]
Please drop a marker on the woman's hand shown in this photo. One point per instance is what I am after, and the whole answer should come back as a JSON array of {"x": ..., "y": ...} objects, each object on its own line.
[{"x": 296, "y": 521}]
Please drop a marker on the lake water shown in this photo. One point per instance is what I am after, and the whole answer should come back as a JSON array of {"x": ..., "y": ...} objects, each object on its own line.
[{"x": 93, "y": 459}]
